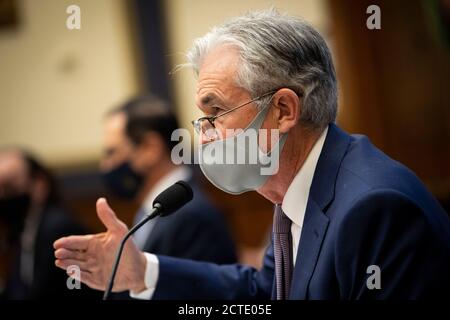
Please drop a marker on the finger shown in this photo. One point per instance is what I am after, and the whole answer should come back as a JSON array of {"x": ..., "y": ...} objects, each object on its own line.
[
  {"x": 70, "y": 254},
  {"x": 85, "y": 277},
  {"x": 108, "y": 217},
  {"x": 88, "y": 279},
  {"x": 73, "y": 242},
  {"x": 70, "y": 263}
]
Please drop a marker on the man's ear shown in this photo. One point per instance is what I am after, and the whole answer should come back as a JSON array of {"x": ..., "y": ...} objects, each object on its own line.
[
  {"x": 287, "y": 105},
  {"x": 39, "y": 188}
]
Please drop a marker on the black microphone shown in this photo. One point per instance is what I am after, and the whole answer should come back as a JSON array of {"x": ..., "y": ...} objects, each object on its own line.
[{"x": 166, "y": 203}]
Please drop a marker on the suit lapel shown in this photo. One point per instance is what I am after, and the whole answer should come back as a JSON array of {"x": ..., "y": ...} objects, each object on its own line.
[
  {"x": 154, "y": 237},
  {"x": 313, "y": 232},
  {"x": 328, "y": 165},
  {"x": 316, "y": 222}
]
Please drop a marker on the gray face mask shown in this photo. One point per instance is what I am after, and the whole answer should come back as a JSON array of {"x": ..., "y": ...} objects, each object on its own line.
[{"x": 236, "y": 164}]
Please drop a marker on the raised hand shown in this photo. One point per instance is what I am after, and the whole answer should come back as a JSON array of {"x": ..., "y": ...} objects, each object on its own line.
[{"x": 94, "y": 255}]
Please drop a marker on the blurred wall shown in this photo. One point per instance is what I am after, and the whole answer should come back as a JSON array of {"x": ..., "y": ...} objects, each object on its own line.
[
  {"x": 56, "y": 84},
  {"x": 394, "y": 83}
]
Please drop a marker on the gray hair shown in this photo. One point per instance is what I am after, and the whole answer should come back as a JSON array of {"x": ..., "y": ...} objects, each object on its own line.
[{"x": 278, "y": 51}]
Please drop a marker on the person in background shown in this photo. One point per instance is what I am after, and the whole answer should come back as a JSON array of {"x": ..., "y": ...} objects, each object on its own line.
[
  {"x": 137, "y": 165},
  {"x": 32, "y": 214}
]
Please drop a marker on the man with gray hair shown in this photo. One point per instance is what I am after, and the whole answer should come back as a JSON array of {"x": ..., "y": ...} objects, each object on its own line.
[{"x": 349, "y": 222}]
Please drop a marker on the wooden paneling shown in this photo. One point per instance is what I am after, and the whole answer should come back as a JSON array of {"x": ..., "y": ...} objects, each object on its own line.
[{"x": 394, "y": 84}]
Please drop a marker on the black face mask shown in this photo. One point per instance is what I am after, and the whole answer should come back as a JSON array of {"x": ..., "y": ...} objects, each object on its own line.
[
  {"x": 13, "y": 211},
  {"x": 123, "y": 181}
]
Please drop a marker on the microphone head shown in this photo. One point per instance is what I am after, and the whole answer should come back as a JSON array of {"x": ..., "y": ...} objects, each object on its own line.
[{"x": 173, "y": 198}]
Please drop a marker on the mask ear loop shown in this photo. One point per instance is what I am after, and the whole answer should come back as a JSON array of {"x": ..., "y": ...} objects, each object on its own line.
[
  {"x": 281, "y": 140},
  {"x": 266, "y": 158},
  {"x": 257, "y": 122}
]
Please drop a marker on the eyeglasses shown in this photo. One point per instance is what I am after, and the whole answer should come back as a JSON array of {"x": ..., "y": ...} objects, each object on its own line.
[{"x": 205, "y": 125}]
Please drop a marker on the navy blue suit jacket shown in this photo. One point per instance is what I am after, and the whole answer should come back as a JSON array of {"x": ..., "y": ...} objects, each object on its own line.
[{"x": 363, "y": 209}]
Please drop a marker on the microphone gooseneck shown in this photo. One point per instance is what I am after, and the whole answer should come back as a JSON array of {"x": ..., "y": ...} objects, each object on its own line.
[
  {"x": 166, "y": 203},
  {"x": 153, "y": 214}
]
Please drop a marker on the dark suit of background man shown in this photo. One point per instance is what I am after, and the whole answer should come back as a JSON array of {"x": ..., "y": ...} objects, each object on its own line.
[
  {"x": 31, "y": 211},
  {"x": 137, "y": 165},
  {"x": 349, "y": 222}
]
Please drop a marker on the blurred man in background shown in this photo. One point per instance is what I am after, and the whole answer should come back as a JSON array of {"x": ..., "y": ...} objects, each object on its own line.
[
  {"x": 137, "y": 165},
  {"x": 32, "y": 215}
]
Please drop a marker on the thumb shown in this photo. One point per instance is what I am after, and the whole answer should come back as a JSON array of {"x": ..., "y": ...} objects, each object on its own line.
[{"x": 108, "y": 217}]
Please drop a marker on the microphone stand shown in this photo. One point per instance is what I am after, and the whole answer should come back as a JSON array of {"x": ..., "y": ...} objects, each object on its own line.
[{"x": 153, "y": 214}]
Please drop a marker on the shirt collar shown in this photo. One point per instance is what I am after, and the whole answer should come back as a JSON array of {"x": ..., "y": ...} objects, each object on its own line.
[
  {"x": 179, "y": 173},
  {"x": 296, "y": 197}
]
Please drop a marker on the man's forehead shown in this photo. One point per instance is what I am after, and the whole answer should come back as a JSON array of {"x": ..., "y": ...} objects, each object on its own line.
[
  {"x": 222, "y": 60},
  {"x": 114, "y": 132},
  {"x": 12, "y": 164},
  {"x": 220, "y": 57},
  {"x": 114, "y": 128},
  {"x": 116, "y": 121},
  {"x": 217, "y": 74}
]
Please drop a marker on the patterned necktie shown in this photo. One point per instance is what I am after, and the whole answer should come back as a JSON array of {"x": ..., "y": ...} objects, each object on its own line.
[{"x": 282, "y": 245}]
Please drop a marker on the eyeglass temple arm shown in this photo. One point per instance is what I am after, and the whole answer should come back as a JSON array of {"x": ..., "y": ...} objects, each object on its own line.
[{"x": 212, "y": 119}]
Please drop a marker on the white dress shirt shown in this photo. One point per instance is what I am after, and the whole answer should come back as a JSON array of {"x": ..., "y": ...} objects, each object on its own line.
[
  {"x": 294, "y": 206},
  {"x": 296, "y": 197}
]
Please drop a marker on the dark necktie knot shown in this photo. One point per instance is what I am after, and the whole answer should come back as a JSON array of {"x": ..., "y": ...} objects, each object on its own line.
[{"x": 281, "y": 223}]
